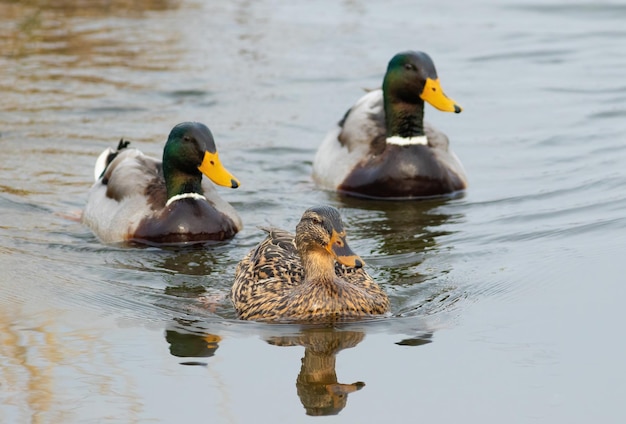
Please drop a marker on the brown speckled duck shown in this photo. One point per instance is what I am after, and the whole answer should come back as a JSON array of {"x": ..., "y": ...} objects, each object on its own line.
[
  {"x": 382, "y": 148},
  {"x": 312, "y": 276},
  {"x": 140, "y": 199}
]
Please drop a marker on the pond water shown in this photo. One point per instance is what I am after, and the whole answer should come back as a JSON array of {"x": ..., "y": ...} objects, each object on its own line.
[{"x": 506, "y": 301}]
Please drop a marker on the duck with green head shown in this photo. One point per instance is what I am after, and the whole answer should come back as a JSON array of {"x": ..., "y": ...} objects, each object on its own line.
[
  {"x": 310, "y": 276},
  {"x": 137, "y": 198},
  {"x": 382, "y": 148}
]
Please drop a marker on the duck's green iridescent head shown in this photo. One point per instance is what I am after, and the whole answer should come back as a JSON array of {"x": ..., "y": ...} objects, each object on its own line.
[
  {"x": 190, "y": 150},
  {"x": 412, "y": 78}
]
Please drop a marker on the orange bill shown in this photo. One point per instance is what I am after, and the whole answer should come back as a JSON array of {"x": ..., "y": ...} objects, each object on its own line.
[
  {"x": 338, "y": 247},
  {"x": 434, "y": 95},
  {"x": 215, "y": 171},
  {"x": 212, "y": 340}
]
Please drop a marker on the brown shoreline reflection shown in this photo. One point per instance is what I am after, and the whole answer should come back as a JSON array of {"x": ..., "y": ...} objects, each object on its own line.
[
  {"x": 55, "y": 27},
  {"x": 317, "y": 384}
]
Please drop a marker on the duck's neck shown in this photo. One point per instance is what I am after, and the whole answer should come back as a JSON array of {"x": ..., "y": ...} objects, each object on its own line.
[
  {"x": 318, "y": 367},
  {"x": 403, "y": 119},
  {"x": 178, "y": 182},
  {"x": 319, "y": 267}
]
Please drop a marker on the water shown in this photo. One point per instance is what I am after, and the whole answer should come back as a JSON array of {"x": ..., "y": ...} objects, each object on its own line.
[{"x": 507, "y": 301}]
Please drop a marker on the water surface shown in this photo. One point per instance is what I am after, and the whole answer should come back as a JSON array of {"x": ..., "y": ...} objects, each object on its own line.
[{"x": 506, "y": 301}]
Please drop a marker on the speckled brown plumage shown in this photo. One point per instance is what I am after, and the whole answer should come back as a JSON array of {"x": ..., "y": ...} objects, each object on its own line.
[{"x": 300, "y": 277}]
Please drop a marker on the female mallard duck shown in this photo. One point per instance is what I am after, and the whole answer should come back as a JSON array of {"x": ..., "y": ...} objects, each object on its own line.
[
  {"x": 382, "y": 148},
  {"x": 138, "y": 198},
  {"x": 289, "y": 277}
]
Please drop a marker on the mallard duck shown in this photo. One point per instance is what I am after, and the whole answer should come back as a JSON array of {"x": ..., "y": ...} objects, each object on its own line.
[
  {"x": 141, "y": 199},
  {"x": 382, "y": 148},
  {"x": 310, "y": 276}
]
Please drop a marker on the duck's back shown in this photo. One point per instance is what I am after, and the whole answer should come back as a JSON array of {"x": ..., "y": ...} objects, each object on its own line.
[
  {"x": 350, "y": 141},
  {"x": 118, "y": 200},
  {"x": 273, "y": 267}
]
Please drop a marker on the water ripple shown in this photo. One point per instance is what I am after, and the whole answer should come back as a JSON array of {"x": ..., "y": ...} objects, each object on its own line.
[{"x": 552, "y": 54}]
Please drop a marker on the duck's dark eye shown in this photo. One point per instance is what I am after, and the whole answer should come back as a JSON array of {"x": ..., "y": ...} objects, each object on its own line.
[
  {"x": 410, "y": 67},
  {"x": 316, "y": 221},
  {"x": 186, "y": 138}
]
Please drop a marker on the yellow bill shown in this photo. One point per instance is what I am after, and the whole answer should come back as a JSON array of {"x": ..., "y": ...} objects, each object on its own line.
[
  {"x": 215, "y": 171},
  {"x": 434, "y": 95}
]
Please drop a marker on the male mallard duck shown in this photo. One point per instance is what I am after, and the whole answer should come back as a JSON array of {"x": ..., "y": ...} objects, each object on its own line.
[
  {"x": 382, "y": 148},
  {"x": 138, "y": 198},
  {"x": 296, "y": 277}
]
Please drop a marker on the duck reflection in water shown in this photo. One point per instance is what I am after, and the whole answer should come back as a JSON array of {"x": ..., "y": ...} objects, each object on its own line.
[
  {"x": 191, "y": 277},
  {"x": 317, "y": 385},
  {"x": 400, "y": 236},
  {"x": 400, "y": 226},
  {"x": 188, "y": 344}
]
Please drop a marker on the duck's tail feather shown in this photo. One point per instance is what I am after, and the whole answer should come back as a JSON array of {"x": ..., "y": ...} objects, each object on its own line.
[{"x": 106, "y": 157}]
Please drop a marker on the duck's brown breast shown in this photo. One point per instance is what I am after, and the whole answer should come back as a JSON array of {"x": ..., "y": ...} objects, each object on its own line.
[
  {"x": 403, "y": 171},
  {"x": 186, "y": 220}
]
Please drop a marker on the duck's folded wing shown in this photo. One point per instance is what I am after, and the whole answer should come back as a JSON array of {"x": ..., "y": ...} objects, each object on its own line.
[
  {"x": 276, "y": 257},
  {"x": 358, "y": 135},
  {"x": 128, "y": 191},
  {"x": 364, "y": 123},
  {"x": 133, "y": 173}
]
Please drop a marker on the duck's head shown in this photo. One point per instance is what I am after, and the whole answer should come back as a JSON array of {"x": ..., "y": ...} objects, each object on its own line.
[
  {"x": 411, "y": 78},
  {"x": 321, "y": 231},
  {"x": 190, "y": 150}
]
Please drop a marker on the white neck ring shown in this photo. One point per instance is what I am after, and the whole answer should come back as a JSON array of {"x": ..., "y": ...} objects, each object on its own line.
[
  {"x": 407, "y": 141},
  {"x": 195, "y": 196}
]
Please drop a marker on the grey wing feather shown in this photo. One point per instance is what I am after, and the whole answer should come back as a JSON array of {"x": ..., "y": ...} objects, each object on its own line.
[
  {"x": 131, "y": 172},
  {"x": 364, "y": 122}
]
